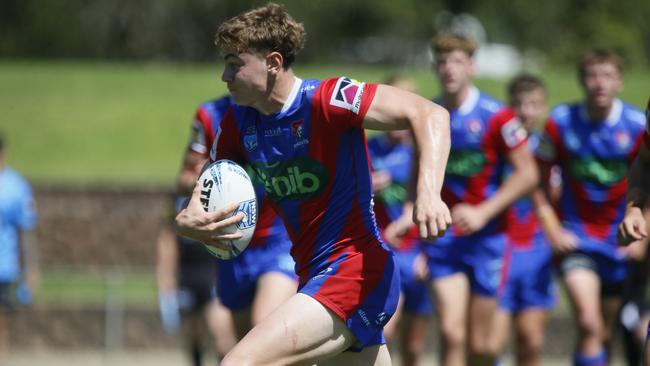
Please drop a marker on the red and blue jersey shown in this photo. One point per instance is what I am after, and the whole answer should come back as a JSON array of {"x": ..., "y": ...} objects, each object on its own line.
[
  {"x": 396, "y": 160},
  {"x": 312, "y": 159},
  {"x": 523, "y": 229},
  {"x": 594, "y": 157},
  {"x": 646, "y": 135},
  {"x": 270, "y": 229},
  {"x": 479, "y": 147}
]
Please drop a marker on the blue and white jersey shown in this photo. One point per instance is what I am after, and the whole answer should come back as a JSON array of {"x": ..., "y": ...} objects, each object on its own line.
[{"x": 17, "y": 213}]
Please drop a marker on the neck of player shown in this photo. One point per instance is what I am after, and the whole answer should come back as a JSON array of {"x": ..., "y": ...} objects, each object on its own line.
[
  {"x": 279, "y": 89},
  {"x": 455, "y": 100},
  {"x": 598, "y": 113}
]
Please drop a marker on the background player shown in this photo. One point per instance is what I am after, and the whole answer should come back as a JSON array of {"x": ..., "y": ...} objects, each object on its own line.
[
  {"x": 633, "y": 230},
  {"x": 528, "y": 291},
  {"x": 465, "y": 264},
  {"x": 305, "y": 141},
  {"x": 186, "y": 275},
  {"x": 593, "y": 142},
  {"x": 18, "y": 259},
  {"x": 391, "y": 155},
  {"x": 260, "y": 279}
]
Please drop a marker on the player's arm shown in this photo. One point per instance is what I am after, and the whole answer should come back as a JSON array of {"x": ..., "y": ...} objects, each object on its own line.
[
  {"x": 471, "y": 218},
  {"x": 393, "y": 108},
  {"x": 633, "y": 227},
  {"x": 191, "y": 166},
  {"x": 561, "y": 240}
]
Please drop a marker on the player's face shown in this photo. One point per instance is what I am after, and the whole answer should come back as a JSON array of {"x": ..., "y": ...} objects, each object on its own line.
[
  {"x": 455, "y": 70},
  {"x": 530, "y": 106},
  {"x": 246, "y": 77},
  {"x": 601, "y": 83}
]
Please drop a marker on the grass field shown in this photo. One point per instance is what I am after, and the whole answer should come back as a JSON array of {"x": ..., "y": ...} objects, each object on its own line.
[{"x": 109, "y": 122}]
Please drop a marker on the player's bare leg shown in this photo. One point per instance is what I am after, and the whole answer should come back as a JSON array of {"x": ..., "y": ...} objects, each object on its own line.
[
  {"x": 242, "y": 321},
  {"x": 482, "y": 348},
  {"x": 301, "y": 332},
  {"x": 451, "y": 295},
  {"x": 4, "y": 334},
  {"x": 611, "y": 306},
  {"x": 501, "y": 329},
  {"x": 393, "y": 324},
  {"x": 221, "y": 327},
  {"x": 530, "y": 325},
  {"x": 414, "y": 334},
  {"x": 273, "y": 289},
  {"x": 583, "y": 287}
]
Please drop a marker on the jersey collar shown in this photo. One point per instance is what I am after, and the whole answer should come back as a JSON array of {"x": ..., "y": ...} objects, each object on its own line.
[
  {"x": 470, "y": 101},
  {"x": 614, "y": 113},
  {"x": 292, "y": 96}
]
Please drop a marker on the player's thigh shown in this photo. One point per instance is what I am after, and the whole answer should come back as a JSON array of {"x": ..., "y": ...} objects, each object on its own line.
[
  {"x": 391, "y": 327},
  {"x": 242, "y": 322},
  {"x": 273, "y": 289},
  {"x": 451, "y": 295},
  {"x": 370, "y": 356},
  {"x": 300, "y": 331},
  {"x": 583, "y": 288}
]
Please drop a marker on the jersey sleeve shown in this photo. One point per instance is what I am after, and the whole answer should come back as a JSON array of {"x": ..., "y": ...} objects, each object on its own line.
[
  {"x": 646, "y": 134},
  {"x": 345, "y": 101},
  {"x": 26, "y": 210},
  {"x": 200, "y": 133},
  {"x": 508, "y": 132},
  {"x": 227, "y": 143}
]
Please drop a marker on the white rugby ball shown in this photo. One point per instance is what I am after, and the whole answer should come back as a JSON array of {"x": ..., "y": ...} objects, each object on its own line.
[{"x": 222, "y": 183}]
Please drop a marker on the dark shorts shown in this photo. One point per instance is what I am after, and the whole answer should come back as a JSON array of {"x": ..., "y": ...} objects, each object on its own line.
[
  {"x": 6, "y": 298},
  {"x": 195, "y": 289},
  {"x": 611, "y": 271}
]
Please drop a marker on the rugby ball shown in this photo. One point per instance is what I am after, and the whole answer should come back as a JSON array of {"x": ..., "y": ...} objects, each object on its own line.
[{"x": 224, "y": 182}]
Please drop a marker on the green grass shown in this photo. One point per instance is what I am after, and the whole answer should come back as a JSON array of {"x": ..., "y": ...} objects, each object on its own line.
[
  {"x": 128, "y": 123},
  {"x": 66, "y": 287}
]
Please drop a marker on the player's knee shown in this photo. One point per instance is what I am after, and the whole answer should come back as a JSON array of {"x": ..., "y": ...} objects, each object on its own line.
[
  {"x": 590, "y": 325},
  {"x": 531, "y": 344},
  {"x": 453, "y": 335}
]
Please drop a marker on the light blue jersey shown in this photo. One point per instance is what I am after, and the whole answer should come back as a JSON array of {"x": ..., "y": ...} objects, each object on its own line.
[{"x": 16, "y": 213}]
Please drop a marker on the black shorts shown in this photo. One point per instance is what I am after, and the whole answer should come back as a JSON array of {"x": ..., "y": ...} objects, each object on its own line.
[
  {"x": 196, "y": 289},
  {"x": 6, "y": 298}
]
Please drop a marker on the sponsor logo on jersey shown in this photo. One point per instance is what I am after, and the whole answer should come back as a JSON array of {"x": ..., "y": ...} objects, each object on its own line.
[
  {"x": 603, "y": 172},
  {"x": 249, "y": 209},
  {"x": 277, "y": 131},
  {"x": 347, "y": 94},
  {"x": 301, "y": 178},
  {"x": 465, "y": 163},
  {"x": 250, "y": 139},
  {"x": 513, "y": 132}
]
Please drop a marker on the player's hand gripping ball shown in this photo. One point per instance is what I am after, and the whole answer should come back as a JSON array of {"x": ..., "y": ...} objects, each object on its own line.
[{"x": 222, "y": 183}]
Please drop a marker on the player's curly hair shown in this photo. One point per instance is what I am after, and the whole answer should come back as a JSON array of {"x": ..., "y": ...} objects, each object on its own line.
[
  {"x": 525, "y": 83},
  {"x": 264, "y": 29},
  {"x": 447, "y": 42}
]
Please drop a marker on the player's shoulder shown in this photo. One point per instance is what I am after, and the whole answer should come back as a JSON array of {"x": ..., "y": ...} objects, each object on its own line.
[
  {"x": 488, "y": 104},
  {"x": 562, "y": 114},
  {"x": 634, "y": 115},
  {"x": 10, "y": 179},
  {"x": 503, "y": 115},
  {"x": 216, "y": 106}
]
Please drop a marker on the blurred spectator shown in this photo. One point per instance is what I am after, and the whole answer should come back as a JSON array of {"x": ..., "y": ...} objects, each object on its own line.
[
  {"x": 186, "y": 274},
  {"x": 18, "y": 259}
]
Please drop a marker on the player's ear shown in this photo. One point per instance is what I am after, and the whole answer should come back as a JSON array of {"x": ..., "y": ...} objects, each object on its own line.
[{"x": 274, "y": 62}]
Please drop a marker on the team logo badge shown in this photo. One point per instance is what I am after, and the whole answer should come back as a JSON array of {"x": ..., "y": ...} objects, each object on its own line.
[
  {"x": 250, "y": 139},
  {"x": 298, "y": 132},
  {"x": 347, "y": 94},
  {"x": 622, "y": 140}
]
